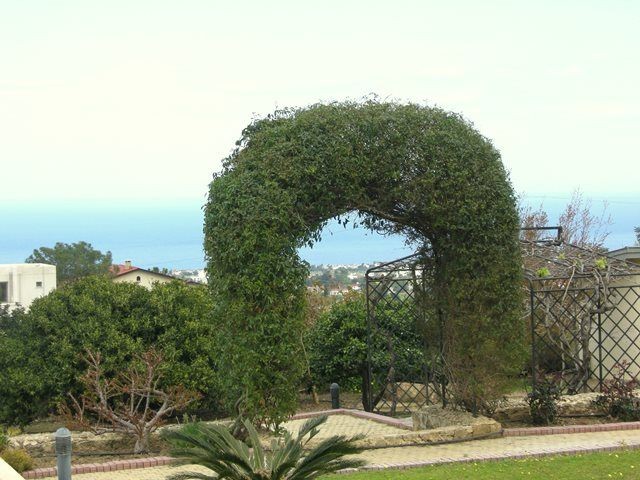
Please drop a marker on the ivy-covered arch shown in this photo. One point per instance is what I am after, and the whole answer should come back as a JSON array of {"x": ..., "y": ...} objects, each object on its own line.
[{"x": 418, "y": 171}]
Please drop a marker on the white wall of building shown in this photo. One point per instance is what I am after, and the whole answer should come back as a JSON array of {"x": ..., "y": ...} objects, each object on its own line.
[{"x": 22, "y": 283}]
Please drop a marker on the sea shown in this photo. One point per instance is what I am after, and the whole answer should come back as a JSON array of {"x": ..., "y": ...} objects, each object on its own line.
[{"x": 170, "y": 234}]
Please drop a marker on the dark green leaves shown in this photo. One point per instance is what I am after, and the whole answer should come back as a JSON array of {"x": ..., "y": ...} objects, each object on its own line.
[
  {"x": 73, "y": 260},
  {"x": 409, "y": 169}
]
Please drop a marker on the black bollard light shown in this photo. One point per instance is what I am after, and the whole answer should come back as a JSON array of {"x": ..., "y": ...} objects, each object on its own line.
[{"x": 335, "y": 395}]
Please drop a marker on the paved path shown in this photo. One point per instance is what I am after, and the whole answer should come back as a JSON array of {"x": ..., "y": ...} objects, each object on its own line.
[
  {"x": 506, "y": 447},
  {"x": 347, "y": 425}
]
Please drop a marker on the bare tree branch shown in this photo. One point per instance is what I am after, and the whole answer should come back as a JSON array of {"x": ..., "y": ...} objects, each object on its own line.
[{"x": 131, "y": 403}]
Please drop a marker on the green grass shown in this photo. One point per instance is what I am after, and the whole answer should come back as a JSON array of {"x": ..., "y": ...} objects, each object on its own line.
[{"x": 621, "y": 464}]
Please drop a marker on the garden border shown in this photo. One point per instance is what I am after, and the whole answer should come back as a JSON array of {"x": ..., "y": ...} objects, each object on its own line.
[
  {"x": 138, "y": 463},
  {"x": 602, "y": 427}
]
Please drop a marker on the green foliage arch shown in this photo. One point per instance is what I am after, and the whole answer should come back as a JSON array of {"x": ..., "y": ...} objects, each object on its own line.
[{"x": 418, "y": 171}]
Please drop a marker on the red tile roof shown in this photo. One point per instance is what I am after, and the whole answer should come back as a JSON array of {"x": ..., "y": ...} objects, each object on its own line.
[{"x": 121, "y": 269}]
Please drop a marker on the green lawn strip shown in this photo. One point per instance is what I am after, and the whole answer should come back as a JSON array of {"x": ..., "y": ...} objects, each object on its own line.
[{"x": 620, "y": 464}]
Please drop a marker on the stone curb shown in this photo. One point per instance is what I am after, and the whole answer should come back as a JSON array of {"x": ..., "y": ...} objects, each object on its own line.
[
  {"x": 133, "y": 464},
  {"x": 603, "y": 427},
  {"x": 509, "y": 432},
  {"x": 101, "y": 467},
  {"x": 490, "y": 458},
  {"x": 374, "y": 417}
]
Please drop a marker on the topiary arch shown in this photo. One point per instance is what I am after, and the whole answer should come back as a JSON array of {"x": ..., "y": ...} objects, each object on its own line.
[{"x": 409, "y": 169}]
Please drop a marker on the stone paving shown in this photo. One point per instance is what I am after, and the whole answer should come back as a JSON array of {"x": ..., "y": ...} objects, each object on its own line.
[
  {"x": 347, "y": 425},
  {"x": 506, "y": 447}
]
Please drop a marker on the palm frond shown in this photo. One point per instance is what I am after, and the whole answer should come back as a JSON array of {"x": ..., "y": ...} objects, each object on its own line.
[
  {"x": 191, "y": 476},
  {"x": 213, "y": 447},
  {"x": 310, "y": 427},
  {"x": 286, "y": 456},
  {"x": 327, "y": 457},
  {"x": 258, "y": 456}
]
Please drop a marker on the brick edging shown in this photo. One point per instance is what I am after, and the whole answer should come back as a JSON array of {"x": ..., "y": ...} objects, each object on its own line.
[
  {"x": 602, "y": 427},
  {"x": 490, "y": 458},
  {"x": 160, "y": 461},
  {"x": 374, "y": 417},
  {"x": 136, "y": 463},
  {"x": 101, "y": 467}
]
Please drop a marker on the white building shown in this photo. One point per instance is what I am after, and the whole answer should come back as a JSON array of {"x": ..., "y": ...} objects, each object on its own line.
[{"x": 22, "y": 283}]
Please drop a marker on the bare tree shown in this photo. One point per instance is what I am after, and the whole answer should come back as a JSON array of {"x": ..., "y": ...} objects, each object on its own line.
[
  {"x": 565, "y": 315},
  {"x": 530, "y": 218},
  {"x": 580, "y": 226},
  {"x": 132, "y": 403}
]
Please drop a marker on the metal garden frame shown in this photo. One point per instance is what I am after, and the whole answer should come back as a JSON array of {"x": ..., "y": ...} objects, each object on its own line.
[
  {"x": 583, "y": 328},
  {"x": 402, "y": 381}
]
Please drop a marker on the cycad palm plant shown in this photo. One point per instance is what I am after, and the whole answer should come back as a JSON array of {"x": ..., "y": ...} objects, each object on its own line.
[{"x": 213, "y": 447}]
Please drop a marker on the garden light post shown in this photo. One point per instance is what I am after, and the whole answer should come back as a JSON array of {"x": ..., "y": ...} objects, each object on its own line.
[
  {"x": 63, "y": 453},
  {"x": 335, "y": 395}
]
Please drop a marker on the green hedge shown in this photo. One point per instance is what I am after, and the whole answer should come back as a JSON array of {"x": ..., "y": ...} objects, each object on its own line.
[{"x": 421, "y": 172}]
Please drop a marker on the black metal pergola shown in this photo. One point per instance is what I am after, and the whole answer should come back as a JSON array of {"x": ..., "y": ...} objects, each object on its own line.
[
  {"x": 584, "y": 313},
  {"x": 582, "y": 308},
  {"x": 404, "y": 337}
]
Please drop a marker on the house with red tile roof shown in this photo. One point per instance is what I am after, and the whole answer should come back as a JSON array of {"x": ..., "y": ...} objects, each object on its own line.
[{"x": 126, "y": 272}]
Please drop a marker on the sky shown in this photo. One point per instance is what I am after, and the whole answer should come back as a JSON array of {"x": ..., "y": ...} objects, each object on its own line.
[{"x": 137, "y": 102}]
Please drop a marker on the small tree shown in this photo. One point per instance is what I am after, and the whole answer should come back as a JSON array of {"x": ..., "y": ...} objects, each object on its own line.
[
  {"x": 637, "y": 232},
  {"x": 530, "y": 218},
  {"x": 580, "y": 226},
  {"x": 73, "y": 260},
  {"x": 131, "y": 403}
]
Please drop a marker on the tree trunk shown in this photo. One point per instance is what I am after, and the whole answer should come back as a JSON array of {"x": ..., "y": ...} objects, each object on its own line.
[{"x": 142, "y": 443}]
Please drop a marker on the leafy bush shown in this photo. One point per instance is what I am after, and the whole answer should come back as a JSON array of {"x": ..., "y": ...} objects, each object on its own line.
[
  {"x": 40, "y": 350},
  {"x": 4, "y": 440},
  {"x": 337, "y": 344},
  {"x": 543, "y": 406},
  {"x": 18, "y": 459},
  {"x": 618, "y": 398}
]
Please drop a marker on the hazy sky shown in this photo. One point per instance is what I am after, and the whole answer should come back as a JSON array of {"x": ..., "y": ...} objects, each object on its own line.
[{"x": 142, "y": 99}]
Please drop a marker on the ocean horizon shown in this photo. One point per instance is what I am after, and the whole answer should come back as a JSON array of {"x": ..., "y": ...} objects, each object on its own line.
[{"x": 170, "y": 234}]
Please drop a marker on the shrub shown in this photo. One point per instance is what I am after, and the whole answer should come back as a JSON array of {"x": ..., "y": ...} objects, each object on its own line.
[
  {"x": 17, "y": 459},
  {"x": 41, "y": 350},
  {"x": 337, "y": 344},
  {"x": 543, "y": 400},
  {"x": 618, "y": 398},
  {"x": 4, "y": 440}
]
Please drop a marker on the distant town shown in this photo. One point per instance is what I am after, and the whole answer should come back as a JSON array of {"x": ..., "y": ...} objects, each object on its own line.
[{"x": 328, "y": 280}]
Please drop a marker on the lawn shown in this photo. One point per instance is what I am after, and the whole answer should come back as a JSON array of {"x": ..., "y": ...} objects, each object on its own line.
[{"x": 622, "y": 464}]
